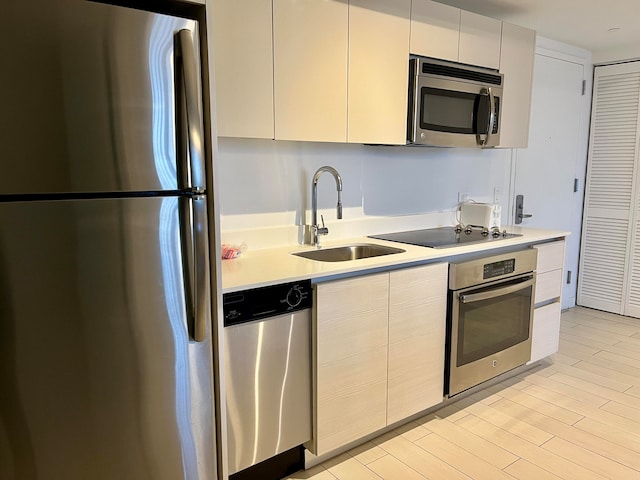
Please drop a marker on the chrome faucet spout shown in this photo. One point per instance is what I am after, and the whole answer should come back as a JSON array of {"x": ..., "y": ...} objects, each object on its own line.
[{"x": 317, "y": 230}]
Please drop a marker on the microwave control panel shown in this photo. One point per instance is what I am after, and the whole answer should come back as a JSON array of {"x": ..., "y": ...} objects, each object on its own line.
[{"x": 497, "y": 269}]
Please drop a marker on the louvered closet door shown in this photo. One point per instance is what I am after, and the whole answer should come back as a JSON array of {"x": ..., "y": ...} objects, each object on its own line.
[{"x": 609, "y": 272}]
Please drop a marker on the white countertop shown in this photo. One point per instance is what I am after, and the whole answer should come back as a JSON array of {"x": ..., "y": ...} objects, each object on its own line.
[{"x": 271, "y": 266}]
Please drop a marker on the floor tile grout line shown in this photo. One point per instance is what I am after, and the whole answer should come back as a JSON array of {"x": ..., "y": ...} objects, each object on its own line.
[{"x": 593, "y": 370}]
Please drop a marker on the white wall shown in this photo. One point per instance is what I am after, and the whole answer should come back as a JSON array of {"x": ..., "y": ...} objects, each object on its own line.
[
  {"x": 616, "y": 55},
  {"x": 266, "y": 184}
]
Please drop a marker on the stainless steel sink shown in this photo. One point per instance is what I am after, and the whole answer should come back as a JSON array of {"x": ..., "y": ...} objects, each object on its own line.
[{"x": 348, "y": 252}]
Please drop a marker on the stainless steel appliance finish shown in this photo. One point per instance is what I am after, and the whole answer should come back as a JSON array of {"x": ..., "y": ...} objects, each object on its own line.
[
  {"x": 105, "y": 317},
  {"x": 268, "y": 372},
  {"x": 317, "y": 230},
  {"x": 445, "y": 237},
  {"x": 453, "y": 105},
  {"x": 348, "y": 253},
  {"x": 489, "y": 318}
]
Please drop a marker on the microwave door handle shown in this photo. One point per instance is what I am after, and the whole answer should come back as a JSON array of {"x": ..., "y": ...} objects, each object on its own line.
[
  {"x": 413, "y": 120},
  {"x": 476, "y": 297},
  {"x": 492, "y": 115}
]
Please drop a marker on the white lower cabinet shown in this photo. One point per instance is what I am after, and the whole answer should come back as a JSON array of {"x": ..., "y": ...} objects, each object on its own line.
[
  {"x": 351, "y": 337},
  {"x": 546, "y": 331},
  {"x": 378, "y": 352},
  {"x": 547, "y": 311},
  {"x": 417, "y": 321}
]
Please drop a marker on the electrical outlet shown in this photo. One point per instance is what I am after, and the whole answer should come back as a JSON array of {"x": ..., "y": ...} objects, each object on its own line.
[
  {"x": 462, "y": 197},
  {"x": 497, "y": 195}
]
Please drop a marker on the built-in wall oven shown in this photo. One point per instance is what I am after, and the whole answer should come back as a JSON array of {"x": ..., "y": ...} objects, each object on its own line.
[{"x": 489, "y": 317}]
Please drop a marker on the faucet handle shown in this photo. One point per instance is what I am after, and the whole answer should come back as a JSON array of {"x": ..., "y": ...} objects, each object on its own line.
[{"x": 322, "y": 230}]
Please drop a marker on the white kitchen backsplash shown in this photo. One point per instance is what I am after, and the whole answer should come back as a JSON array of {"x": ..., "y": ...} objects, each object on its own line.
[
  {"x": 265, "y": 187},
  {"x": 275, "y": 230}
]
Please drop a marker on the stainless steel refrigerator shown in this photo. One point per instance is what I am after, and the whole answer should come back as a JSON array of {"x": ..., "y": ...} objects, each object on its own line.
[{"x": 105, "y": 317}]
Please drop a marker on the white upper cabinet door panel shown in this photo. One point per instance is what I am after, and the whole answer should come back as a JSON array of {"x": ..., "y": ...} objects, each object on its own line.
[
  {"x": 243, "y": 57},
  {"x": 310, "y": 69},
  {"x": 435, "y": 30},
  {"x": 378, "y": 71},
  {"x": 516, "y": 64},
  {"x": 479, "y": 40}
]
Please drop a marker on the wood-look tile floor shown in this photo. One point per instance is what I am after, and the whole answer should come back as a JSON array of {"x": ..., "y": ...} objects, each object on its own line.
[{"x": 575, "y": 417}]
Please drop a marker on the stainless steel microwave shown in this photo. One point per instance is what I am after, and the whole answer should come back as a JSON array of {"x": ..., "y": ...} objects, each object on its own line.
[{"x": 453, "y": 105}]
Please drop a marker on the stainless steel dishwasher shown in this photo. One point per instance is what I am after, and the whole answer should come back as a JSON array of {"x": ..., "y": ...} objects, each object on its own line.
[{"x": 268, "y": 378}]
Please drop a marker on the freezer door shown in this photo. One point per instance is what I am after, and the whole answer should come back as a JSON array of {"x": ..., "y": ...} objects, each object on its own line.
[
  {"x": 88, "y": 97},
  {"x": 99, "y": 378}
]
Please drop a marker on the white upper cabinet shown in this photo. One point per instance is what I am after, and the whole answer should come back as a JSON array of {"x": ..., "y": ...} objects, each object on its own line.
[
  {"x": 435, "y": 30},
  {"x": 448, "y": 33},
  {"x": 337, "y": 70},
  {"x": 378, "y": 71},
  {"x": 516, "y": 64},
  {"x": 310, "y": 46},
  {"x": 479, "y": 40},
  {"x": 242, "y": 43}
]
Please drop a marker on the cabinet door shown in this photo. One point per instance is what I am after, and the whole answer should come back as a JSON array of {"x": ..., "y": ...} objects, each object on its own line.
[
  {"x": 243, "y": 54},
  {"x": 310, "y": 69},
  {"x": 479, "y": 40},
  {"x": 516, "y": 64},
  {"x": 351, "y": 336},
  {"x": 546, "y": 331},
  {"x": 435, "y": 30},
  {"x": 417, "y": 320},
  {"x": 378, "y": 71}
]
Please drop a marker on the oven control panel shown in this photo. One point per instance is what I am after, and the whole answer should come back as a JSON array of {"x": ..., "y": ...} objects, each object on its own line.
[
  {"x": 497, "y": 269},
  {"x": 476, "y": 271}
]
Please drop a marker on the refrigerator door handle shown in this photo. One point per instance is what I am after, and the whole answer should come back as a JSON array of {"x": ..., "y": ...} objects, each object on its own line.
[
  {"x": 193, "y": 206},
  {"x": 193, "y": 228},
  {"x": 187, "y": 72}
]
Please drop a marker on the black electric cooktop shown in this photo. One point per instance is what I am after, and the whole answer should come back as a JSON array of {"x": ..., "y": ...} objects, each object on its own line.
[{"x": 445, "y": 237}]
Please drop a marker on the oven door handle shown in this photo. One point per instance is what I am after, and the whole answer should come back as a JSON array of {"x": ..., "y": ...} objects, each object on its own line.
[{"x": 476, "y": 297}]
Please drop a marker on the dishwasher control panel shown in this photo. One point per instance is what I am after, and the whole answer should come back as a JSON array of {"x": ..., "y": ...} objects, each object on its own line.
[{"x": 258, "y": 303}]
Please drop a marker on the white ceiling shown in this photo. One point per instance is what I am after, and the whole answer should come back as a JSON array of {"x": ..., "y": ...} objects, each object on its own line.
[{"x": 582, "y": 23}]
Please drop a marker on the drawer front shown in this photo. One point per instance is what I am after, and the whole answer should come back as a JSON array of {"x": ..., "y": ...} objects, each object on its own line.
[
  {"x": 548, "y": 286},
  {"x": 550, "y": 256},
  {"x": 546, "y": 331}
]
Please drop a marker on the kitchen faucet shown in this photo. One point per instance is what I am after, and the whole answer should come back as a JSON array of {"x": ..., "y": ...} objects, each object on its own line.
[{"x": 317, "y": 230}]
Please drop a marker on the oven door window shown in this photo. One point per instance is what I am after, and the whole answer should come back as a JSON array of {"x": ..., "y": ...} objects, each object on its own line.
[
  {"x": 489, "y": 325},
  {"x": 455, "y": 112}
]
